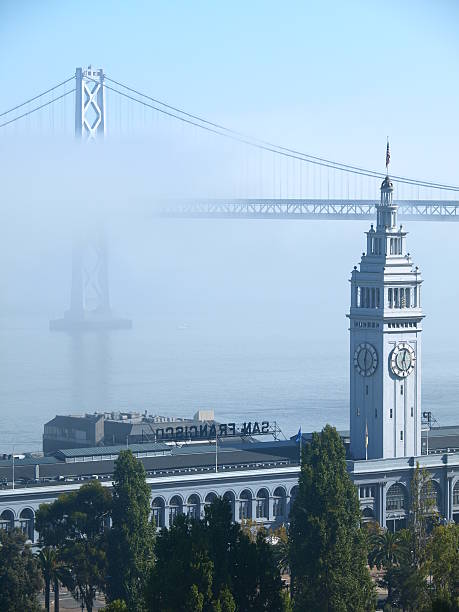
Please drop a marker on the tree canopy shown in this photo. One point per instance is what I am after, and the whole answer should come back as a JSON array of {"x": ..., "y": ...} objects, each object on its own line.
[
  {"x": 212, "y": 565},
  {"x": 132, "y": 536},
  {"x": 76, "y": 523},
  {"x": 327, "y": 549},
  {"x": 20, "y": 576}
]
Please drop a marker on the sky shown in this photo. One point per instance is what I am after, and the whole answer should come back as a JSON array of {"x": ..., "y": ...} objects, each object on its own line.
[{"x": 331, "y": 78}]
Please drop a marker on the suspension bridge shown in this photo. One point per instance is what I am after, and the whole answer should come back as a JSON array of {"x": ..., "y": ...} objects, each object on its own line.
[{"x": 280, "y": 182}]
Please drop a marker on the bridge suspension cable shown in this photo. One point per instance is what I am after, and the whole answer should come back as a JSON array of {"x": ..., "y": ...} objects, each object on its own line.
[
  {"x": 36, "y": 97},
  {"x": 37, "y": 108},
  {"x": 221, "y": 130}
]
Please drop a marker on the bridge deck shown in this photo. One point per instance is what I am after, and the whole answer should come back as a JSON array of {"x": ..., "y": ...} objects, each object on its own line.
[{"x": 422, "y": 210}]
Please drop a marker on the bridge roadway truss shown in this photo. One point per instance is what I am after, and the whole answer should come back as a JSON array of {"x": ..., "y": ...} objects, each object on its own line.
[{"x": 422, "y": 210}]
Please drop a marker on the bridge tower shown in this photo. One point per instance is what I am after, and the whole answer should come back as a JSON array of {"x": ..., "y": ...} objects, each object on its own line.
[
  {"x": 89, "y": 103},
  {"x": 385, "y": 342},
  {"x": 89, "y": 294}
]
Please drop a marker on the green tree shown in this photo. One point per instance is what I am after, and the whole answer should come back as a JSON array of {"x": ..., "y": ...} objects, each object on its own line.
[
  {"x": 213, "y": 563},
  {"x": 76, "y": 524},
  {"x": 443, "y": 565},
  {"x": 221, "y": 537},
  {"x": 408, "y": 579},
  {"x": 195, "y": 600},
  {"x": 327, "y": 549},
  {"x": 115, "y": 606},
  {"x": 131, "y": 538},
  {"x": 225, "y": 601},
  {"x": 269, "y": 586},
  {"x": 20, "y": 576},
  {"x": 53, "y": 571},
  {"x": 409, "y": 588},
  {"x": 386, "y": 551},
  {"x": 423, "y": 514},
  {"x": 243, "y": 561},
  {"x": 281, "y": 549},
  {"x": 182, "y": 562}
]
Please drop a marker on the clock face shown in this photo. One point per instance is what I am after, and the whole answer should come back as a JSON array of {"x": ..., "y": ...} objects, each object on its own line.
[
  {"x": 365, "y": 359},
  {"x": 403, "y": 360}
]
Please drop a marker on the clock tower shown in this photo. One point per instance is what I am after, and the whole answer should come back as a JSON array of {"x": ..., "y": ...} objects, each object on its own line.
[{"x": 385, "y": 342}]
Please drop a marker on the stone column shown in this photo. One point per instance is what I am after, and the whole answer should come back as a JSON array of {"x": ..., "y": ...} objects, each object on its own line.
[
  {"x": 287, "y": 506},
  {"x": 166, "y": 516},
  {"x": 271, "y": 516},
  {"x": 449, "y": 498},
  {"x": 382, "y": 504},
  {"x": 237, "y": 506}
]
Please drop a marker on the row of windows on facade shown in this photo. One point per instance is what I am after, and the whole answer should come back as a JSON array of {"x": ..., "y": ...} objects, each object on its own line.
[
  {"x": 396, "y": 500},
  {"x": 391, "y": 415},
  {"x": 384, "y": 246},
  {"x": 367, "y": 392},
  {"x": 397, "y": 495},
  {"x": 193, "y": 508},
  {"x": 369, "y": 324},
  {"x": 397, "y": 297},
  {"x": 374, "y": 324},
  {"x": 111, "y": 456}
]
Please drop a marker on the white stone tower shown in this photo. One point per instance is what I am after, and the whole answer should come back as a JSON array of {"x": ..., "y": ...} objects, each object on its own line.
[{"x": 385, "y": 342}]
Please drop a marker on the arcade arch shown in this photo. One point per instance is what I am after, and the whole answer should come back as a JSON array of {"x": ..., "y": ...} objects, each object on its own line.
[{"x": 158, "y": 510}]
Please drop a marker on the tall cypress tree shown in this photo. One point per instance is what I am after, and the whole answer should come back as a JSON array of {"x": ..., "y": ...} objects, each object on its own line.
[
  {"x": 130, "y": 552},
  {"x": 327, "y": 551}
]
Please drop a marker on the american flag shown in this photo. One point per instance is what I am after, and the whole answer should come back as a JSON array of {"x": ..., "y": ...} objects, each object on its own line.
[{"x": 387, "y": 155}]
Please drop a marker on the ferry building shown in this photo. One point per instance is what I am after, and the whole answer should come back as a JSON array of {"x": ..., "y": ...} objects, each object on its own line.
[{"x": 260, "y": 479}]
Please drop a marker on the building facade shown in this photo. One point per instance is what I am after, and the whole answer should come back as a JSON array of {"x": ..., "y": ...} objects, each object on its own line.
[{"x": 264, "y": 494}]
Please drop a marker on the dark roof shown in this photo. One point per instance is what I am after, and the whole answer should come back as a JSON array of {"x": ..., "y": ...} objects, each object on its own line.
[
  {"x": 182, "y": 460},
  {"x": 29, "y": 461},
  {"x": 69, "y": 419},
  {"x": 155, "y": 447}
]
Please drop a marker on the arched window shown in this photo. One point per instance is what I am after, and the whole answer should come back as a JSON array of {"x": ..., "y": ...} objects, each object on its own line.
[
  {"x": 368, "y": 515},
  {"x": 431, "y": 492},
  {"x": 27, "y": 523},
  {"x": 158, "y": 512},
  {"x": 245, "y": 505},
  {"x": 456, "y": 494},
  {"x": 194, "y": 507},
  {"x": 175, "y": 508},
  {"x": 279, "y": 502},
  {"x": 210, "y": 497},
  {"x": 7, "y": 520},
  {"x": 262, "y": 505},
  {"x": 396, "y": 498}
]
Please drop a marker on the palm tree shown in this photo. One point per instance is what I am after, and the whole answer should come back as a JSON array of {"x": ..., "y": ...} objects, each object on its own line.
[
  {"x": 386, "y": 549},
  {"x": 53, "y": 572}
]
